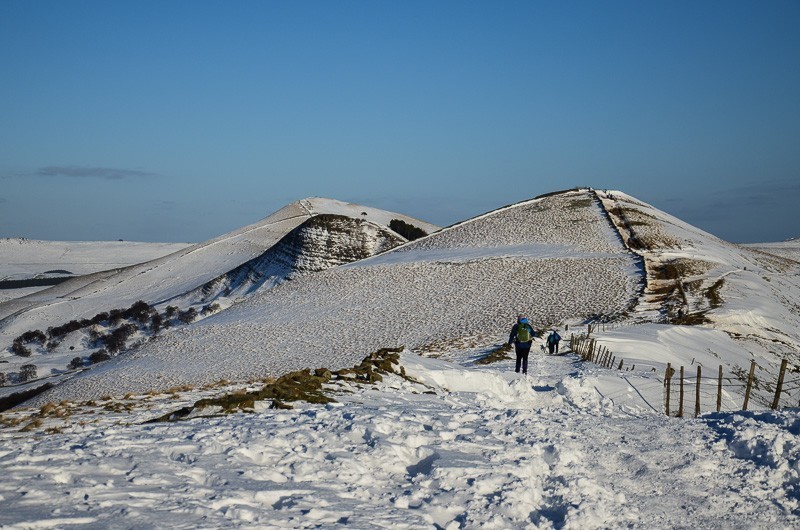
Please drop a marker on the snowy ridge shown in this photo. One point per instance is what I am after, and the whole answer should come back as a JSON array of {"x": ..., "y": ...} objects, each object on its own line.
[
  {"x": 750, "y": 295},
  {"x": 322, "y": 242},
  {"x": 335, "y": 317},
  {"x": 785, "y": 249},
  {"x": 23, "y": 259},
  {"x": 218, "y": 270}
]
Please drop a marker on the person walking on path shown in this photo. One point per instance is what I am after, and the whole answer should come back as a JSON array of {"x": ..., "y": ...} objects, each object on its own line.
[
  {"x": 522, "y": 338},
  {"x": 552, "y": 341}
]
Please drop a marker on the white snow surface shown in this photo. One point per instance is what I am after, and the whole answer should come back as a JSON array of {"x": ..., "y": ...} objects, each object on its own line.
[
  {"x": 554, "y": 258},
  {"x": 568, "y": 446},
  {"x": 23, "y": 259},
  {"x": 786, "y": 249},
  {"x": 168, "y": 279}
]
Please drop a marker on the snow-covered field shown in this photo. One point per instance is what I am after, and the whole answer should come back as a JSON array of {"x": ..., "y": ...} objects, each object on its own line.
[
  {"x": 786, "y": 249},
  {"x": 569, "y": 446},
  {"x": 25, "y": 259}
]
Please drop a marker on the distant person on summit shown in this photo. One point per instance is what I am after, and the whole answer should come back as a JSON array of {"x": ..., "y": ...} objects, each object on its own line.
[{"x": 522, "y": 338}]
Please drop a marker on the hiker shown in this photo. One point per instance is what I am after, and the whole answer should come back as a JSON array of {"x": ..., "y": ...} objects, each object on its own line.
[
  {"x": 552, "y": 341},
  {"x": 522, "y": 338}
]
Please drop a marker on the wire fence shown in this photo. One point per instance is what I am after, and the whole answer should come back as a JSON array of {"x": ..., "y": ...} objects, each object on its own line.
[{"x": 703, "y": 389}]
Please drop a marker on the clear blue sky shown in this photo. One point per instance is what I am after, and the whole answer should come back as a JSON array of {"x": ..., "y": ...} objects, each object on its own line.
[{"x": 182, "y": 120}]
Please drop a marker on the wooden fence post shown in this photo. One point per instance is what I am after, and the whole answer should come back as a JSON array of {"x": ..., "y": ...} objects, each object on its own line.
[
  {"x": 697, "y": 394},
  {"x": 719, "y": 390},
  {"x": 749, "y": 384},
  {"x": 779, "y": 386},
  {"x": 620, "y": 365},
  {"x": 667, "y": 384},
  {"x": 680, "y": 394}
]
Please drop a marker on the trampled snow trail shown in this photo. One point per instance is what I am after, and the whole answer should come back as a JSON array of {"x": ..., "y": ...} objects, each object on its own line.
[{"x": 475, "y": 447}]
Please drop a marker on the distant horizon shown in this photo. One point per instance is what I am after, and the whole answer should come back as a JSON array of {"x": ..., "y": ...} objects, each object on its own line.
[
  {"x": 790, "y": 238},
  {"x": 181, "y": 121}
]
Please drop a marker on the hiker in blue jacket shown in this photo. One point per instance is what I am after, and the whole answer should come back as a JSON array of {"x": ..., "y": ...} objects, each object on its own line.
[
  {"x": 552, "y": 341},
  {"x": 522, "y": 338}
]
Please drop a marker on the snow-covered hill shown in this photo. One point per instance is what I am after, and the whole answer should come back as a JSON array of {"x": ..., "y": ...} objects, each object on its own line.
[
  {"x": 443, "y": 441},
  {"x": 321, "y": 242},
  {"x": 305, "y": 236},
  {"x": 25, "y": 259},
  {"x": 556, "y": 258},
  {"x": 785, "y": 249},
  {"x": 565, "y": 259},
  {"x": 695, "y": 278}
]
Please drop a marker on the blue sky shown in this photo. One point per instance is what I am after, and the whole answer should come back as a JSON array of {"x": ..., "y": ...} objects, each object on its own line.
[{"x": 183, "y": 120}]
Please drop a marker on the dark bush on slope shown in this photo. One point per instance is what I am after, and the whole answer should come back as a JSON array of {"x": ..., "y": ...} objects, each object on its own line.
[
  {"x": 27, "y": 372},
  {"x": 407, "y": 230},
  {"x": 99, "y": 317},
  {"x": 76, "y": 362},
  {"x": 156, "y": 323},
  {"x": 188, "y": 316},
  {"x": 115, "y": 316},
  {"x": 115, "y": 341},
  {"x": 32, "y": 336},
  {"x": 99, "y": 356},
  {"x": 210, "y": 308},
  {"x": 17, "y": 348},
  {"x": 139, "y": 311},
  {"x": 69, "y": 327}
]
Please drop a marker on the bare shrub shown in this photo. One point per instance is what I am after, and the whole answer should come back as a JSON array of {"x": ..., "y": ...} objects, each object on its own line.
[
  {"x": 17, "y": 348},
  {"x": 27, "y": 372},
  {"x": 99, "y": 356},
  {"x": 188, "y": 316},
  {"x": 75, "y": 363},
  {"x": 210, "y": 308},
  {"x": 116, "y": 340},
  {"x": 156, "y": 322},
  {"x": 139, "y": 311}
]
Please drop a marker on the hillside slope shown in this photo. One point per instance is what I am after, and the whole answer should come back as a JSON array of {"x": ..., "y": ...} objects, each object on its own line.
[
  {"x": 785, "y": 249},
  {"x": 695, "y": 278},
  {"x": 303, "y": 237},
  {"x": 555, "y": 258},
  {"x": 25, "y": 259}
]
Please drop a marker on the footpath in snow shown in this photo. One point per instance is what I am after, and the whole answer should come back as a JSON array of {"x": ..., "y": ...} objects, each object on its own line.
[{"x": 469, "y": 447}]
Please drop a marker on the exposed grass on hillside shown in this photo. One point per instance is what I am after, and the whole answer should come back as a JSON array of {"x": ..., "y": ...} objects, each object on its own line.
[
  {"x": 712, "y": 293},
  {"x": 302, "y": 385},
  {"x": 643, "y": 229},
  {"x": 500, "y": 353},
  {"x": 577, "y": 204}
]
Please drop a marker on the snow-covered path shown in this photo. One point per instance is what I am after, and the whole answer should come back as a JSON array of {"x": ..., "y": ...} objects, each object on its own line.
[{"x": 474, "y": 447}]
